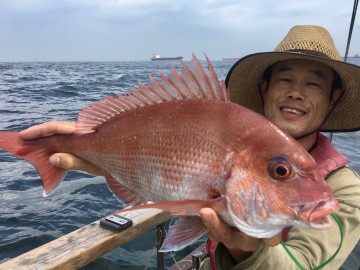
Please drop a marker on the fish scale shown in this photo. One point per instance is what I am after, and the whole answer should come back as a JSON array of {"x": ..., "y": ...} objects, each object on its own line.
[
  {"x": 166, "y": 157},
  {"x": 182, "y": 144}
]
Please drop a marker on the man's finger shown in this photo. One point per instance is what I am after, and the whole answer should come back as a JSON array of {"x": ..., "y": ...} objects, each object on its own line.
[
  {"x": 47, "y": 129},
  {"x": 218, "y": 230},
  {"x": 70, "y": 162}
]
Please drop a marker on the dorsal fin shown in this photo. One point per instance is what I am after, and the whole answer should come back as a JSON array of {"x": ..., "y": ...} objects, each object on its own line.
[{"x": 193, "y": 83}]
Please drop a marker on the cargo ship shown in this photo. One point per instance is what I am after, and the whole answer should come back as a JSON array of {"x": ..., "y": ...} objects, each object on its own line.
[
  {"x": 231, "y": 59},
  {"x": 157, "y": 57}
]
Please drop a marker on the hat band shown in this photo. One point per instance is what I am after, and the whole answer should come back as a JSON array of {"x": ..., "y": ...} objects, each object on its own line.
[{"x": 310, "y": 52}]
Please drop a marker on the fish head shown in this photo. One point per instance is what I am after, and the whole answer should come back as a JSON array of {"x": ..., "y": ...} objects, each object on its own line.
[{"x": 274, "y": 189}]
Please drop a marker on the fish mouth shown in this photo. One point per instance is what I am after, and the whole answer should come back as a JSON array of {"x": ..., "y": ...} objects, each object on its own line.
[{"x": 317, "y": 215}]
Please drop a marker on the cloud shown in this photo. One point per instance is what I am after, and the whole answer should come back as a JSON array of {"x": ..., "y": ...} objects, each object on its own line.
[{"x": 133, "y": 30}]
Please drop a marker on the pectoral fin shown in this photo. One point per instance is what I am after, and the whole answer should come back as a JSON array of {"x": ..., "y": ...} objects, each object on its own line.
[{"x": 184, "y": 232}]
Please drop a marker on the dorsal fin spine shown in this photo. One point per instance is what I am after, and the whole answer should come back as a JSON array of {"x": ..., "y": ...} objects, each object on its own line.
[
  {"x": 172, "y": 85},
  {"x": 189, "y": 78},
  {"x": 114, "y": 109},
  {"x": 126, "y": 102},
  {"x": 182, "y": 82},
  {"x": 226, "y": 93},
  {"x": 147, "y": 97},
  {"x": 136, "y": 101},
  {"x": 114, "y": 103},
  {"x": 102, "y": 114},
  {"x": 142, "y": 96},
  {"x": 214, "y": 78},
  {"x": 107, "y": 110},
  {"x": 92, "y": 114},
  {"x": 84, "y": 119},
  {"x": 135, "y": 97},
  {"x": 194, "y": 83},
  {"x": 157, "y": 97},
  {"x": 162, "y": 89},
  {"x": 122, "y": 102},
  {"x": 199, "y": 71}
]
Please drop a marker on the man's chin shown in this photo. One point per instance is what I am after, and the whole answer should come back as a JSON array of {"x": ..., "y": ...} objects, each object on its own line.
[
  {"x": 294, "y": 131},
  {"x": 291, "y": 127}
]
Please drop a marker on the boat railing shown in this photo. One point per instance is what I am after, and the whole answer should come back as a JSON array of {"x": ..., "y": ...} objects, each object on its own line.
[{"x": 82, "y": 246}]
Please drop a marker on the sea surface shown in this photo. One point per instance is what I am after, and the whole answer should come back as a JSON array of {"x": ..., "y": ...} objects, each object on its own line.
[{"x": 33, "y": 93}]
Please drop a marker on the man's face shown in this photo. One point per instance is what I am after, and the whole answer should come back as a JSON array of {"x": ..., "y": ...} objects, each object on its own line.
[{"x": 297, "y": 98}]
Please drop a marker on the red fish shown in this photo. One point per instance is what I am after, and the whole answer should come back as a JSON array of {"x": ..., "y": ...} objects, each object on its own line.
[{"x": 182, "y": 144}]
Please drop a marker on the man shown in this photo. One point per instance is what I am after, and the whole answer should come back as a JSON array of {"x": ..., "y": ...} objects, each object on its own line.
[{"x": 303, "y": 87}]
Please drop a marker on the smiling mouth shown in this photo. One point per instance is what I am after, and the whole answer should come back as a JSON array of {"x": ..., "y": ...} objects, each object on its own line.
[{"x": 292, "y": 110}]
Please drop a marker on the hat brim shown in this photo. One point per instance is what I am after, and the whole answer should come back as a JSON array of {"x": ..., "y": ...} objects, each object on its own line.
[{"x": 245, "y": 75}]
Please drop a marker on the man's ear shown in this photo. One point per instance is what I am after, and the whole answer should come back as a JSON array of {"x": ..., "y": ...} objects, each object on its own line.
[
  {"x": 263, "y": 86},
  {"x": 335, "y": 96}
]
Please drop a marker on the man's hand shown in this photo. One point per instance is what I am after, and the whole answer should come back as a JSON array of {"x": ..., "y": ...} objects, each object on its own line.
[
  {"x": 63, "y": 160},
  {"x": 238, "y": 243}
]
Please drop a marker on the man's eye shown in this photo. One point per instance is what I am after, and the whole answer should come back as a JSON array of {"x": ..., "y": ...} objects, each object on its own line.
[
  {"x": 314, "y": 84},
  {"x": 285, "y": 80}
]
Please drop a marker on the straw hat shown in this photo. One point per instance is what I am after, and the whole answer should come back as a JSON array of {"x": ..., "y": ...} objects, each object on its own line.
[{"x": 302, "y": 42}]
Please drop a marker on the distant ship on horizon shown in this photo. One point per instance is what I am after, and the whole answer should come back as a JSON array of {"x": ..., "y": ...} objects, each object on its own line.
[
  {"x": 231, "y": 59},
  {"x": 157, "y": 57}
]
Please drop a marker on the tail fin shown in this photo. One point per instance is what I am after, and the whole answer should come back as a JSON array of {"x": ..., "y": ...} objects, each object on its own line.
[{"x": 37, "y": 153}]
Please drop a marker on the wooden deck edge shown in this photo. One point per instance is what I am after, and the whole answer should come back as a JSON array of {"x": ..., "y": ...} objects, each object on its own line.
[{"x": 80, "y": 247}]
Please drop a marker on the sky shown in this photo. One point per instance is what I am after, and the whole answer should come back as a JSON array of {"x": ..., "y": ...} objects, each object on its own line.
[{"x": 132, "y": 30}]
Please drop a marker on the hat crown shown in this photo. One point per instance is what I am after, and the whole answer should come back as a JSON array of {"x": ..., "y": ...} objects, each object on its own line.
[{"x": 309, "y": 38}]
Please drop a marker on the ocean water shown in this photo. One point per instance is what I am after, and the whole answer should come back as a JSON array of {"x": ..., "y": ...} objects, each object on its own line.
[{"x": 32, "y": 93}]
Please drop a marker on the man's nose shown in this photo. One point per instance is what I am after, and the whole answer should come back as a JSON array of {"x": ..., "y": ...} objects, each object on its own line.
[{"x": 296, "y": 91}]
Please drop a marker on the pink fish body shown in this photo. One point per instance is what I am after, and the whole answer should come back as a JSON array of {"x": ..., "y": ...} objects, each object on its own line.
[{"x": 183, "y": 145}]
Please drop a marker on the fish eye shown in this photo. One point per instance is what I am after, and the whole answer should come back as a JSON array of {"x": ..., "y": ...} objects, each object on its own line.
[{"x": 280, "y": 169}]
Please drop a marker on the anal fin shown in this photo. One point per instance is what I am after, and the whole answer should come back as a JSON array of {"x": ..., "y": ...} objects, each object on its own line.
[{"x": 121, "y": 192}]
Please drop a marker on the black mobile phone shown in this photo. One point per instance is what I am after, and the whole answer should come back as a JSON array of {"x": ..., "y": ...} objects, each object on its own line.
[{"x": 115, "y": 223}]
